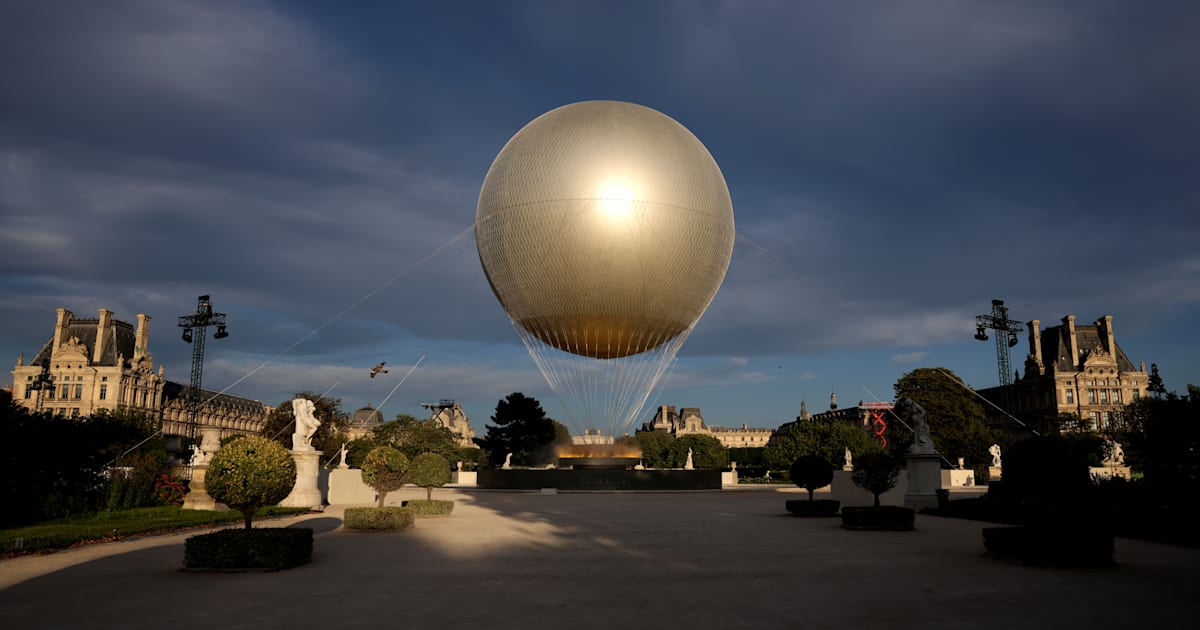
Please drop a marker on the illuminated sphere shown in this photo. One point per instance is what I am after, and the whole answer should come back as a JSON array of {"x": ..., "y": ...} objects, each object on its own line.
[{"x": 605, "y": 228}]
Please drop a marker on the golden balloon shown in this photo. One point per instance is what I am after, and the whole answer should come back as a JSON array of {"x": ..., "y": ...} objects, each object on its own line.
[{"x": 605, "y": 228}]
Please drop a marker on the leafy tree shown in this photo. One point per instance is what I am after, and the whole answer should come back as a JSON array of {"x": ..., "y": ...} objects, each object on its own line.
[
  {"x": 250, "y": 473},
  {"x": 413, "y": 437},
  {"x": 1161, "y": 437},
  {"x": 876, "y": 473},
  {"x": 281, "y": 423},
  {"x": 520, "y": 427},
  {"x": 707, "y": 451},
  {"x": 827, "y": 440},
  {"x": 385, "y": 469},
  {"x": 429, "y": 471},
  {"x": 56, "y": 466},
  {"x": 956, "y": 419},
  {"x": 658, "y": 448},
  {"x": 811, "y": 472}
]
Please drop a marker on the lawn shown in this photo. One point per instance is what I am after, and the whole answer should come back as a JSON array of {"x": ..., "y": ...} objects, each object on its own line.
[{"x": 108, "y": 526}]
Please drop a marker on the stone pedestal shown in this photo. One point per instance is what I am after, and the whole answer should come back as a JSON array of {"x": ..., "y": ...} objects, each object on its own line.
[
  {"x": 924, "y": 480},
  {"x": 346, "y": 487},
  {"x": 197, "y": 497},
  {"x": 958, "y": 478},
  {"x": 1108, "y": 472},
  {"x": 306, "y": 492},
  {"x": 994, "y": 473}
]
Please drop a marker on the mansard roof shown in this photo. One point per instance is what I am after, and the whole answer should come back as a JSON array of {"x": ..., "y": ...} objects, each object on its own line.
[
  {"x": 120, "y": 341},
  {"x": 175, "y": 391},
  {"x": 1056, "y": 347}
]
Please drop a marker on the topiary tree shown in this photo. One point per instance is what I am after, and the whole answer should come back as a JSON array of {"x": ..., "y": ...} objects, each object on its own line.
[
  {"x": 811, "y": 472},
  {"x": 250, "y": 473},
  {"x": 876, "y": 473},
  {"x": 385, "y": 469},
  {"x": 430, "y": 470}
]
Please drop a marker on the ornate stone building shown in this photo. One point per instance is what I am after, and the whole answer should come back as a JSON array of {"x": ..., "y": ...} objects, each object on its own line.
[
  {"x": 103, "y": 363},
  {"x": 450, "y": 415},
  {"x": 1074, "y": 369},
  {"x": 689, "y": 421}
]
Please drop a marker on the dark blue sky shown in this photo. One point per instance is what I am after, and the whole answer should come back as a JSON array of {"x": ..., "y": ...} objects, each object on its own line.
[{"x": 893, "y": 167}]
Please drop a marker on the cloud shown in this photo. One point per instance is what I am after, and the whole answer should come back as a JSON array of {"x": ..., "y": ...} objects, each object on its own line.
[{"x": 909, "y": 357}]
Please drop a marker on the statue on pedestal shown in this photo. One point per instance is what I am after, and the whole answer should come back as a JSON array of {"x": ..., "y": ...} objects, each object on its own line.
[
  {"x": 922, "y": 439},
  {"x": 306, "y": 424},
  {"x": 994, "y": 451},
  {"x": 507, "y": 462},
  {"x": 689, "y": 465},
  {"x": 1116, "y": 454},
  {"x": 343, "y": 454},
  {"x": 849, "y": 460}
]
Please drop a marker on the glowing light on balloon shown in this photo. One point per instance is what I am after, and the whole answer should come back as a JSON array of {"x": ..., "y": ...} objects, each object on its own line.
[{"x": 605, "y": 229}]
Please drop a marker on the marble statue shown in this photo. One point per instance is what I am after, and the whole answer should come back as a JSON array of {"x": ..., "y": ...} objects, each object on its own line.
[
  {"x": 343, "y": 454},
  {"x": 306, "y": 424},
  {"x": 689, "y": 465},
  {"x": 507, "y": 462},
  {"x": 994, "y": 451},
  {"x": 849, "y": 460},
  {"x": 961, "y": 462},
  {"x": 922, "y": 440},
  {"x": 197, "y": 456},
  {"x": 1116, "y": 454}
]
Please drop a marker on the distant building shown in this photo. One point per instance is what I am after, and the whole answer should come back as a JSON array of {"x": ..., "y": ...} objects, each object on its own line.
[
  {"x": 1076, "y": 369},
  {"x": 363, "y": 422},
  {"x": 864, "y": 415},
  {"x": 688, "y": 421},
  {"x": 450, "y": 415},
  {"x": 89, "y": 365}
]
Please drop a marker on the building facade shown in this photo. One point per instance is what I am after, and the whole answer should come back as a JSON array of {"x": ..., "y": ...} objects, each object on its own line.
[
  {"x": 874, "y": 418},
  {"x": 689, "y": 421},
  {"x": 89, "y": 365},
  {"x": 1077, "y": 369},
  {"x": 450, "y": 414}
]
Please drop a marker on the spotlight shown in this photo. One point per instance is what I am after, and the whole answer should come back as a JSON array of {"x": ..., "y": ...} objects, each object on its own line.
[
  {"x": 1012, "y": 340},
  {"x": 980, "y": 335},
  {"x": 187, "y": 335},
  {"x": 221, "y": 333}
]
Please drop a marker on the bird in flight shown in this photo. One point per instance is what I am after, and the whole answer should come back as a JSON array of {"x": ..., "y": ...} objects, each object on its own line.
[{"x": 379, "y": 369}]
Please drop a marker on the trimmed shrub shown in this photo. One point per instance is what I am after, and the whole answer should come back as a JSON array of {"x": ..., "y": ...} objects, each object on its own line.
[
  {"x": 250, "y": 473},
  {"x": 809, "y": 507},
  {"x": 264, "y": 548},
  {"x": 811, "y": 472},
  {"x": 430, "y": 507},
  {"x": 876, "y": 473},
  {"x": 378, "y": 519},
  {"x": 429, "y": 470},
  {"x": 887, "y": 517},
  {"x": 385, "y": 469}
]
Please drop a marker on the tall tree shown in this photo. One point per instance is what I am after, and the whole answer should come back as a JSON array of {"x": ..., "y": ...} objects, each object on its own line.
[
  {"x": 413, "y": 437},
  {"x": 956, "y": 418},
  {"x": 827, "y": 440},
  {"x": 520, "y": 426},
  {"x": 281, "y": 425}
]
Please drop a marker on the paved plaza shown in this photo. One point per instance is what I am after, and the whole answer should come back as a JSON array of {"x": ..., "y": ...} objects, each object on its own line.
[{"x": 729, "y": 559}]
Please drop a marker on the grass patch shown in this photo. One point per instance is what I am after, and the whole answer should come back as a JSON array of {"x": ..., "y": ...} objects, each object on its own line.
[{"x": 108, "y": 526}]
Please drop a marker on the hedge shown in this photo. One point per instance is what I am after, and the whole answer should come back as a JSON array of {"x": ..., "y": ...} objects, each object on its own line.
[{"x": 263, "y": 548}]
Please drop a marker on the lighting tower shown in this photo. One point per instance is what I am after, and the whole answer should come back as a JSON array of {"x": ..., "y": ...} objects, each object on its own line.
[
  {"x": 42, "y": 382},
  {"x": 194, "y": 328},
  {"x": 1006, "y": 337}
]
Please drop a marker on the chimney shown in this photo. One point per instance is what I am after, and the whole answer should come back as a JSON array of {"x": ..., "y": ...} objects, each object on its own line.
[
  {"x": 1109, "y": 340},
  {"x": 1035, "y": 343},
  {"x": 62, "y": 328},
  {"x": 1072, "y": 342},
  {"x": 143, "y": 337},
  {"x": 103, "y": 330}
]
